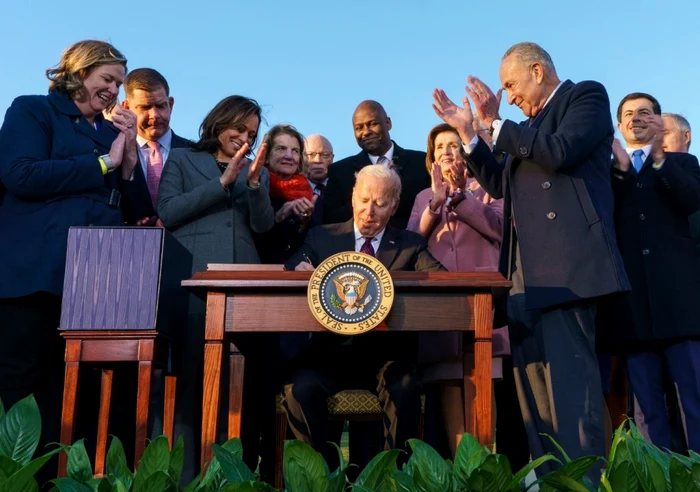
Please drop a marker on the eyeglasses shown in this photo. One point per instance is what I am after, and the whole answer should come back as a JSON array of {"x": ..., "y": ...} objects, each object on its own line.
[{"x": 312, "y": 155}]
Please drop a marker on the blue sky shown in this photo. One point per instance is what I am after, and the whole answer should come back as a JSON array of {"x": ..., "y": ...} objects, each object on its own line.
[{"x": 309, "y": 63}]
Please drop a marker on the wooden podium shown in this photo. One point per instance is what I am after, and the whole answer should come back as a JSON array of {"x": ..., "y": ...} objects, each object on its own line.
[
  {"x": 117, "y": 283},
  {"x": 253, "y": 301}
]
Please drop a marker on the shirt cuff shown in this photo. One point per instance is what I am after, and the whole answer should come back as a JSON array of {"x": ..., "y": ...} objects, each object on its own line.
[
  {"x": 469, "y": 148},
  {"x": 496, "y": 125},
  {"x": 658, "y": 166}
]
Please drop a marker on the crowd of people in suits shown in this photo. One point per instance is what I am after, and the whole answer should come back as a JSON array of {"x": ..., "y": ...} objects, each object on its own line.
[{"x": 595, "y": 235}]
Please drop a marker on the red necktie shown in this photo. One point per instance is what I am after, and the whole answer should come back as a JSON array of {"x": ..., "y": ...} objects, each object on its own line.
[{"x": 367, "y": 247}]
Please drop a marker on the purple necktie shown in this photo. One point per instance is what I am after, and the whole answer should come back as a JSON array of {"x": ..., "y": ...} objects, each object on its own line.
[{"x": 367, "y": 247}]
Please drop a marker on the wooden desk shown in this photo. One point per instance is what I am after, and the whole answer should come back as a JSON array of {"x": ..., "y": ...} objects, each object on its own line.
[{"x": 253, "y": 301}]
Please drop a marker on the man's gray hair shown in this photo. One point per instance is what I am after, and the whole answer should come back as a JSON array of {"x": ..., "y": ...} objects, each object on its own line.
[
  {"x": 682, "y": 124},
  {"x": 382, "y": 173},
  {"x": 529, "y": 53}
]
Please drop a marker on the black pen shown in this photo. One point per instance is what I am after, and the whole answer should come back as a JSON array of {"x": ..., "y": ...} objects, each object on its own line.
[{"x": 307, "y": 259}]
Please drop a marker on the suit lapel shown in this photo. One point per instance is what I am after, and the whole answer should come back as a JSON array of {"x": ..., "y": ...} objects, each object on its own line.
[
  {"x": 206, "y": 165},
  {"x": 648, "y": 162},
  {"x": 398, "y": 158},
  {"x": 345, "y": 238},
  {"x": 361, "y": 160},
  {"x": 388, "y": 248}
]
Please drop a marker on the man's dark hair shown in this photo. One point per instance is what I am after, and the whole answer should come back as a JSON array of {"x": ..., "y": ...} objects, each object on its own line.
[{"x": 638, "y": 95}]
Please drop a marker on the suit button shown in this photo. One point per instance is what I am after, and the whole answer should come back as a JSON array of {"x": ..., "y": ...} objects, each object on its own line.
[
  {"x": 551, "y": 216},
  {"x": 523, "y": 150},
  {"x": 645, "y": 251},
  {"x": 287, "y": 247},
  {"x": 546, "y": 185},
  {"x": 639, "y": 185},
  {"x": 229, "y": 224},
  {"x": 641, "y": 217}
]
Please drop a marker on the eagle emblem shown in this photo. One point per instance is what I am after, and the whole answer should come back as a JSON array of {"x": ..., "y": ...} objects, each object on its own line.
[{"x": 350, "y": 288}]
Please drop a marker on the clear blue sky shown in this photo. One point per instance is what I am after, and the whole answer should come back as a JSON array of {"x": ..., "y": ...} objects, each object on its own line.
[{"x": 310, "y": 62}]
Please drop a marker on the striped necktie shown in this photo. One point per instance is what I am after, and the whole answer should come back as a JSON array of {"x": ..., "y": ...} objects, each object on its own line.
[{"x": 367, "y": 247}]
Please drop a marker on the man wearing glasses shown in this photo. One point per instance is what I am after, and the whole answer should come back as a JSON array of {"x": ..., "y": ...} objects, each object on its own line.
[{"x": 318, "y": 156}]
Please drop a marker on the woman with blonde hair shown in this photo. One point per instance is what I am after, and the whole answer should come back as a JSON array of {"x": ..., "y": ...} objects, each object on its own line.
[{"x": 61, "y": 165}]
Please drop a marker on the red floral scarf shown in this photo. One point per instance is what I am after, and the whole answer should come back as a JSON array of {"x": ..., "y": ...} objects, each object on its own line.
[{"x": 295, "y": 187}]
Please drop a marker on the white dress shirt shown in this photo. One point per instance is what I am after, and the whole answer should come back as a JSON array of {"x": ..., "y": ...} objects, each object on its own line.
[
  {"x": 360, "y": 239},
  {"x": 314, "y": 186},
  {"x": 144, "y": 150},
  {"x": 389, "y": 155}
]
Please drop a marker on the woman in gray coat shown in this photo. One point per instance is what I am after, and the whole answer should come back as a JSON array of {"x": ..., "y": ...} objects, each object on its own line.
[{"x": 212, "y": 198}]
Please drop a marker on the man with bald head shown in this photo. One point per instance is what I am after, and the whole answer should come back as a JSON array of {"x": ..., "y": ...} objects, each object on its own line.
[
  {"x": 371, "y": 126},
  {"x": 318, "y": 156}
]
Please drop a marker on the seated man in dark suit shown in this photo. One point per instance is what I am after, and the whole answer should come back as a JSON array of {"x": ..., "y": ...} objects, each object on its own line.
[
  {"x": 327, "y": 365},
  {"x": 148, "y": 96},
  {"x": 371, "y": 126}
]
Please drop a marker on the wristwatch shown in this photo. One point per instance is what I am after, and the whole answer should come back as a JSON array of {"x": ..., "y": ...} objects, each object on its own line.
[{"x": 495, "y": 125}]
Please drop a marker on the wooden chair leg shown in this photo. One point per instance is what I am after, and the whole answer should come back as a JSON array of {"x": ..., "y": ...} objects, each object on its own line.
[
  {"x": 70, "y": 399},
  {"x": 103, "y": 421},
  {"x": 142, "y": 401},
  {"x": 235, "y": 397},
  {"x": 280, "y": 435},
  {"x": 169, "y": 408}
]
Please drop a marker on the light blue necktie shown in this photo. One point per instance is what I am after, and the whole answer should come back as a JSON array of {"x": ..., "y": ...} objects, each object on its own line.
[{"x": 637, "y": 160}]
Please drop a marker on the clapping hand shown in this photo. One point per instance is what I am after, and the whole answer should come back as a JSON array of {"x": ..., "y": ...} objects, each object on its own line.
[
  {"x": 439, "y": 188},
  {"x": 125, "y": 121},
  {"x": 256, "y": 167},
  {"x": 656, "y": 125},
  {"x": 486, "y": 103},
  {"x": 234, "y": 166},
  {"x": 620, "y": 158},
  {"x": 460, "y": 118}
]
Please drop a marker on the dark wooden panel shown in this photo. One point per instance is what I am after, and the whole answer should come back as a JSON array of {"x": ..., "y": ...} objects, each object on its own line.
[
  {"x": 289, "y": 312},
  {"x": 111, "y": 278}
]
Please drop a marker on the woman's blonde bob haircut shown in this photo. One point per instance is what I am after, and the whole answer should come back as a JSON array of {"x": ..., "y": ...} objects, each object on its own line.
[{"x": 77, "y": 61}]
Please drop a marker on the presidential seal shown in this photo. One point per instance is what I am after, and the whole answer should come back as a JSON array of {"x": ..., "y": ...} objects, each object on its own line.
[{"x": 350, "y": 293}]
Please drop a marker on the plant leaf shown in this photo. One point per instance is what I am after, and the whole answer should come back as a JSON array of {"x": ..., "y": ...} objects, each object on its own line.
[
  {"x": 525, "y": 471},
  {"x": 115, "y": 457},
  {"x": 681, "y": 478},
  {"x": 559, "y": 448},
  {"x": 157, "y": 480},
  {"x": 402, "y": 481},
  {"x": 248, "y": 487},
  {"x": 156, "y": 458},
  {"x": 574, "y": 470},
  {"x": 695, "y": 457},
  {"x": 99, "y": 484},
  {"x": 23, "y": 479},
  {"x": 118, "y": 486},
  {"x": 377, "y": 474},
  {"x": 233, "y": 467},
  {"x": 177, "y": 460},
  {"x": 70, "y": 485},
  {"x": 20, "y": 431},
  {"x": 8, "y": 466},
  {"x": 2, "y": 410},
  {"x": 656, "y": 476},
  {"x": 79, "y": 467},
  {"x": 624, "y": 478},
  {"x": 304, "y": 468},
  {"x": 234, "y": 446},
  {"x": 470, "y": 455},
  {"x": 493, "y": 474},
  {"x": 434, "y": 471}
]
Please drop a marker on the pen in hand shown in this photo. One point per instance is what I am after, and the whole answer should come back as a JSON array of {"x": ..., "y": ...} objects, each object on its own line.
[{"x": 307, "y": 259}]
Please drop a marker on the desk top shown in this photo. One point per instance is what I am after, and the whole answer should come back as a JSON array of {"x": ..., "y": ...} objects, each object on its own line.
[{"x": 221, "y": 279}]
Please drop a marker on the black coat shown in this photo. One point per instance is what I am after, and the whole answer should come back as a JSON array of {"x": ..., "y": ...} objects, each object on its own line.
[
  {"x": 556, "y": 180},
  {"x": 337, "y": 199},
  {"x": 661, "y": 258}
]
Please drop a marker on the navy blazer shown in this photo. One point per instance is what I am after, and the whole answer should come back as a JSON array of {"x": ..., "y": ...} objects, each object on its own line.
[
  {"x": 53, "y": 181},
  {"x": 337, "y": 199},
  {"x": 661, "y": 258},
  {"x": 556, "y": 181},
  {"x": 139, "y": 205}
]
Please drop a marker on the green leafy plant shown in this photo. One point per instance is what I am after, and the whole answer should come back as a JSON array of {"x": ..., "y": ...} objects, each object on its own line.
[
  {"x": 305, "y": 470},
  {"x": 20, "y": 429}
]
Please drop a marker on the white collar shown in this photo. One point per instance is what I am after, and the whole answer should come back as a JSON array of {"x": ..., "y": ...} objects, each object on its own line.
[
  {"x": 646, "y": 151},
  {"x": 377, "y": 239},
  {"x": 165, "y": 141}
]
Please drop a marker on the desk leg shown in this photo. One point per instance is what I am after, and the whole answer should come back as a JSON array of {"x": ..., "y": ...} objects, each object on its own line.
[
  {"x": 213, "y": 355},
  {"x": 483, "y": 307},
  {"x": 103, "y": 421},
  {"x": 70, "y": 401},
  {"x": 235, "y": 405},
  {"x": 142, "y": 403}
]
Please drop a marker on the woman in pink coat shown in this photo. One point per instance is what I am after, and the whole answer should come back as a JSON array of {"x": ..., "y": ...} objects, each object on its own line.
[{"x": 463, "y": 226}]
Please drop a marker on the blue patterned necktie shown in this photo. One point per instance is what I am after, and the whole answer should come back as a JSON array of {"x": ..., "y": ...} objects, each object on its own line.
[
  {"x": 637, "y": 160},
  {"x": 367, "y": 247}
]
